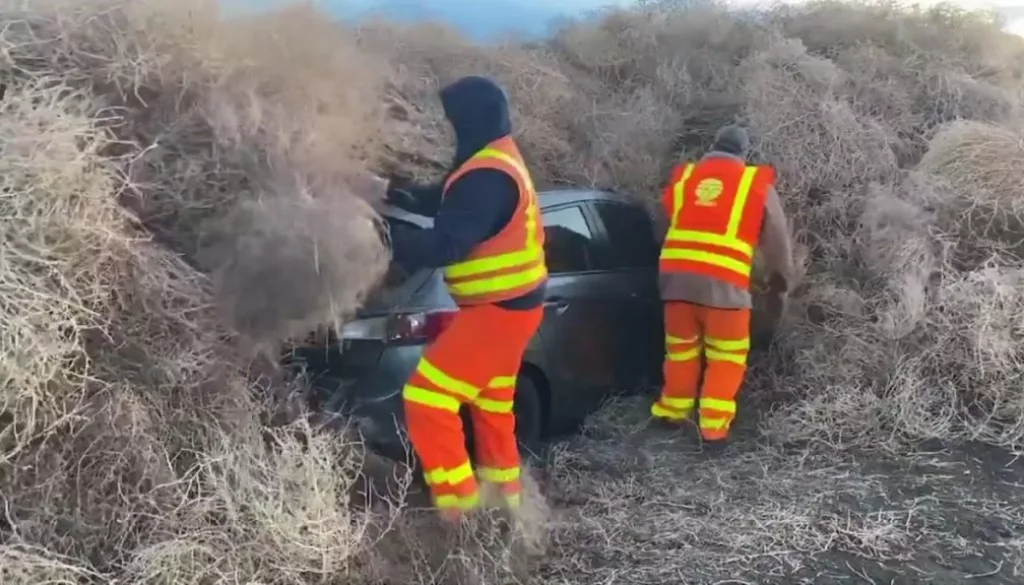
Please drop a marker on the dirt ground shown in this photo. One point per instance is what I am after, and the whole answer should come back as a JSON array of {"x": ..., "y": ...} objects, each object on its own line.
[
  {"x": 637, "y": 504},
  {"x": 631, "y": 503}
]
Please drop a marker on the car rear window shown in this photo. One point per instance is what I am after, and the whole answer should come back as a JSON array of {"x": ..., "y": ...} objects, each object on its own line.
[{"x": 631, "y": 242}]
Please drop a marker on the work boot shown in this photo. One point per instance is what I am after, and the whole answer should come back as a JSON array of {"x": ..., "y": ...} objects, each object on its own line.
[
  {"x": 714, "y": 447},
  {"x": 684, "y": 427},
  {"x": 666, "y": 424}
]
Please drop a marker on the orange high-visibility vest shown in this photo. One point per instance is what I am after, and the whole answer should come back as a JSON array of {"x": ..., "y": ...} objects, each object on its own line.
[
  {"x": 717, "y": 207},
  {"x": 511, "y": 263}
]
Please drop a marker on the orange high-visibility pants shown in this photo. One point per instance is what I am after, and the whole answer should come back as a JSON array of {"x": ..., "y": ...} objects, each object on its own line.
[
  {"x": 475, "y": 362},
  {"x": 722, "y": 338}
]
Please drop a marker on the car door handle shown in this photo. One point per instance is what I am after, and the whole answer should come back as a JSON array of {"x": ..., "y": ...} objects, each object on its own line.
[{"x": 558, "y": 304}]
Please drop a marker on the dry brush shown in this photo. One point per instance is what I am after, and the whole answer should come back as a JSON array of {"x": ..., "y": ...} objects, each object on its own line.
[{"x": 184, "y": 191}]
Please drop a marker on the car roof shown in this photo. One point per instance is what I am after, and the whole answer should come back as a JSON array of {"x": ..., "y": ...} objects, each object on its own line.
[
  {"x": 553, "y": 197},
  {"x": 548, "y": 198}
]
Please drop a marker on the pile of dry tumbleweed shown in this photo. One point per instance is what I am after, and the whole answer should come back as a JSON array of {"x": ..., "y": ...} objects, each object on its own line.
[
  {"x": 183, "y": 191},
  {"x": 179, "y": 192},
  {"x": 897, "y": 135}
]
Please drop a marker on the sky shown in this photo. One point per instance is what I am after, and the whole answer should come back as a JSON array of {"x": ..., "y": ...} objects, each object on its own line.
[{"x": 487, "y": 19}]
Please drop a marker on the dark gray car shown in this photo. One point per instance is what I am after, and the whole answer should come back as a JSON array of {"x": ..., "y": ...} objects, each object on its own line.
[{"x": 602, "y": 330}]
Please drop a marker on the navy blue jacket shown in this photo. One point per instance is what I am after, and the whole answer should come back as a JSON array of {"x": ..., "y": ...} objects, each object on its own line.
[{"x": 480, "y": 203}]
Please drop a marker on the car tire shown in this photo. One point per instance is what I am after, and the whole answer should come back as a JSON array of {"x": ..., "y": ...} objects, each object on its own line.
[{"x": 529, "y": 413}]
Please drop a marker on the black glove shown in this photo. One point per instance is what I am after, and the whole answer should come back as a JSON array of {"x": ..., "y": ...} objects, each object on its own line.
[
  {"x": 398, "y": 195},
  {"x": 402, "y": 199},
  {"x": 396, "y": 182}
]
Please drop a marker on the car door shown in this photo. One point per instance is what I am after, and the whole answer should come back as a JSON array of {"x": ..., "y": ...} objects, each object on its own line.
[
  {"x": 578, "y": 336},
  {"x": 628, "y": 259}
]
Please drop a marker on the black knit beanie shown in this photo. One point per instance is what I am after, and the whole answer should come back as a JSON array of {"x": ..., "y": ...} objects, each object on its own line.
[{"x": 732, "y": 139}]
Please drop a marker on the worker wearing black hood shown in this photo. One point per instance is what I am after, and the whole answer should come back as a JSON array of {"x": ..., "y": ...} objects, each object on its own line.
[
  {"x": 488, "y": 238},
  {"x": 478, "y": 112}
]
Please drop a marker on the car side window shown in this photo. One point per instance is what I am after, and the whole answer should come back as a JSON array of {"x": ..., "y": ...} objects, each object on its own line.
[
  {"x": 631, "y": 242},
  {"x": 568, "y": 241}
]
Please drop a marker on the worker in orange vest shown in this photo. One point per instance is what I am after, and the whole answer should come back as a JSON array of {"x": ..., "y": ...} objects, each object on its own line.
[
  {"x": 489, "y": 239},
  {"x": 720, "y": 210}
]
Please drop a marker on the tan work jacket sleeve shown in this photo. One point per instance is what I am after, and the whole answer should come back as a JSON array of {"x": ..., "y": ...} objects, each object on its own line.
[{"x": 776, "y": 246}]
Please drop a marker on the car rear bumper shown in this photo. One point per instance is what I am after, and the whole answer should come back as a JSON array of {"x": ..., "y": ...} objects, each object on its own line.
[
  {"x": 382, "y": 426},
  {"x": 373, "y": 402}
]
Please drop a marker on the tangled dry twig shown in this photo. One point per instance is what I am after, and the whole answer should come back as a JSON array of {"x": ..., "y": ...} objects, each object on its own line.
[{"x": 180, "y": 189}]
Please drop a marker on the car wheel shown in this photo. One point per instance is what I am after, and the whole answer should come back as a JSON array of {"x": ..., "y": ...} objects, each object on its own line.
[{"x": 529, "y": 413}]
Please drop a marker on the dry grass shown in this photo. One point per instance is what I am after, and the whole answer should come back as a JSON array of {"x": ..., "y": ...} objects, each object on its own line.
[
  {"x": 183, "y": 192},
  {"x": 643, "y": 506},
  {"x": 139, "y": 142}
]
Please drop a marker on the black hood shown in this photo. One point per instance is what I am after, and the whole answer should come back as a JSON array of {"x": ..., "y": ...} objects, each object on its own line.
[{"x": 478, "y": 112}]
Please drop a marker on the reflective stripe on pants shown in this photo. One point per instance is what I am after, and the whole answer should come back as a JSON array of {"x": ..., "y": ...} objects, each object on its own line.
[
  {"x": 453, "y": 489},
  {"x": 722, "y": 338},
  {"x": 507, "y": 479},
  {"x": 493, "y": 420},
  {"x": 473, "y": 362}
]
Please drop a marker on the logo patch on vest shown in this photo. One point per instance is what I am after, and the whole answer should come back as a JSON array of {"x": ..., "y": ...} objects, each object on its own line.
[{"x": 708, "y": 192}]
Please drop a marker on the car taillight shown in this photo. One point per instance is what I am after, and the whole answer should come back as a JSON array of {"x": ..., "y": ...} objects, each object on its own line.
[
  {"x": 425, "y": 326},
  {"x": 420, "y": 326}
]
